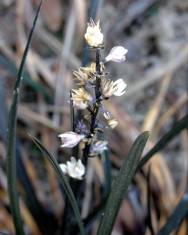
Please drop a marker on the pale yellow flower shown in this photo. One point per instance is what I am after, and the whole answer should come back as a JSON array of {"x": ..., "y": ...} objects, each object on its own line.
[
  {"x": 81, "y": 77},
  {"x": 107, "y": 87},
  {"x": 112, "y": 122},
  {"x": 93, "y": 34},
  {"x": 89, "y": 69},
  {"x": 81, "y": 98}
]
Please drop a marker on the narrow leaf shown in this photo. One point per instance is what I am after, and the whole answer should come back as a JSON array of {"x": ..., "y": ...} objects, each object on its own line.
[
  {"x": 120, "y": 185},
  {"x": 107, "y": 173},
  {"x": 11, "y": 160},
  {"x": 177, "y": 215},
  {"x": 35, "y": 85},
  {"x": 176, "y": 129},
  {"x": 64, "y": 182}
]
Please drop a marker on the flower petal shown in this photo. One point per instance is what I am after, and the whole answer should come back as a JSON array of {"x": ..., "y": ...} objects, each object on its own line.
[{"x": 117, "y": 54}]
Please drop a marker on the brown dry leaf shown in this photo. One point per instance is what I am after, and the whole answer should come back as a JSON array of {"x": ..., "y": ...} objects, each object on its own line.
[
  {"x": 52, "y": 14},
  {"x": 183, "y": 228},
  {"x": 80, "y": 8},
  {"x": 154, "y": 111},
  {"x": 5, "y": 221}
]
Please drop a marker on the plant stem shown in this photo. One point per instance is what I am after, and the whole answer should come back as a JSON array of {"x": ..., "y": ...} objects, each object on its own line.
[{"x": 96, "y": 105}]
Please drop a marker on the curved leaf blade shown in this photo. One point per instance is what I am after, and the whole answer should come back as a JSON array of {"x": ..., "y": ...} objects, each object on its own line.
[
  {"x": 176, "y": 216},
  {"x": 64, "y": 182},
  {"x": 176, "y": 129},
  {"x": 11, "y": 160},
  {"x": 120, "y": 185}
]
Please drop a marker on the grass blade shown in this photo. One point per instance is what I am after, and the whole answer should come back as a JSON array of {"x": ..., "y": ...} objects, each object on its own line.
[
  {"x": 177, "y": 215},
  {"x": 107, "y": 173},
  {"x": 11, "y": 160},
  {"x": 120, "y": 185},
  {"x": 64, "y": 182},
  {"x": 35, "y": 85},
  {"x": 176, "y": 129}
]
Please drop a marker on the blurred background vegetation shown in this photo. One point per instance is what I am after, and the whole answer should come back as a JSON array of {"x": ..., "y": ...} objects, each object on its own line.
[{"x": 156, "y": 34}]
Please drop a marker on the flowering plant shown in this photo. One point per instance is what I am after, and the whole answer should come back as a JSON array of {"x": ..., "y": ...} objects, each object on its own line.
[{"x": 93, "y": 87}]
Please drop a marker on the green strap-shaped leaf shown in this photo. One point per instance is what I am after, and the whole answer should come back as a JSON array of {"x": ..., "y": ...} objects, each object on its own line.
[
  {"x": 64, "y": 182},
  {"x": 107, "y": 172},
  {"x": 177, "y": 215},
  {"x": 11, "y": 159},
  {"x": 176, "y": 129},
  {"x": 120, "y": 185}
]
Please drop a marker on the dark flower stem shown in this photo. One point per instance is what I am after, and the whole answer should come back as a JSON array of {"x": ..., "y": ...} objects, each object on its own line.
[
  {"x": 98, "y": 73},
  {"x": 96, "y": 106}
]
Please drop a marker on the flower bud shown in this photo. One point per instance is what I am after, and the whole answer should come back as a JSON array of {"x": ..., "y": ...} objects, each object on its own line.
[{"x": 93, "y": 34}]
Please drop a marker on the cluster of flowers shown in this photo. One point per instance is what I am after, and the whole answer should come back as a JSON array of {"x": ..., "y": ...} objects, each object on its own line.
[{"x": 93, "y": 88}]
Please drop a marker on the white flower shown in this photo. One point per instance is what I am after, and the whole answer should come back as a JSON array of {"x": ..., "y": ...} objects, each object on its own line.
[
  {"x": 74, "y": 168},
  {"x": 110, "y": 88},
  {"x": 117, "y": 54},
  {"x": 120, "y": 86},
  {"x": 93, "y": 34},
  {"x": 70, "y": 139}
]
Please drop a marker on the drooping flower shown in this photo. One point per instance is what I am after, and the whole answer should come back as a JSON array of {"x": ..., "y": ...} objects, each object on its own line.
[
  {"x": 81, "y": 98},
  {"x": 98, "y": 147},
  {"x": 93, "y": 34},
  {"x": 110, "y": 88},
  {"x": 74, "y": 168},
  {"x": 117, "y": 54},
  {"x": 70, "y": 139},
  {"x": 112, "y": 122}
]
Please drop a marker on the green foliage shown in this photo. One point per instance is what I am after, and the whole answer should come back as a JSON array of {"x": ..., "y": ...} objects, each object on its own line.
[
  {"x": 120, "y": 185},
  {"x": 11, "y": 160},
  {"x": 64, "y": 182}
]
